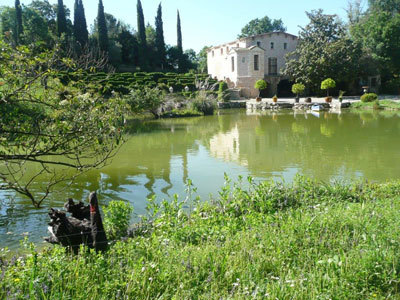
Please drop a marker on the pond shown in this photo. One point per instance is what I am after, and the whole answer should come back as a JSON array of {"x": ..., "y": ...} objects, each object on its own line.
[{"x": 159, "y": 156}]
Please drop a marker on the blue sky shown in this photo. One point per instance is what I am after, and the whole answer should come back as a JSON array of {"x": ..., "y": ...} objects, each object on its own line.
[{"x": 209, "y": 22}]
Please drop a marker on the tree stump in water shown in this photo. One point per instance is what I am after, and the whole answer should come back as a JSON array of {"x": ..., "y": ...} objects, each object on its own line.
[{"x": 85, "y": 226}]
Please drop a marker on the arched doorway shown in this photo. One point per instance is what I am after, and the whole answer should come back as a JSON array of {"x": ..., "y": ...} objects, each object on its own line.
[{"x": 285, "y": 89}]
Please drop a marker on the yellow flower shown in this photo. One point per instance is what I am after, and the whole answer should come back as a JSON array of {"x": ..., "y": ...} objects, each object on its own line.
[{"x": 17, "y": 280}]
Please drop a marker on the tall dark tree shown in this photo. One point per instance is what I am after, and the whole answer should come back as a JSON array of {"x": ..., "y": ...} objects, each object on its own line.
[
  {"x": 80, "y": 28},
  {"x": 179, "y": 33},
  {"x": 18, "y": 14},
  {"x": 102, "y": 28},
  {"x": 160, "y": 42},
  {"x": 141, "y": 36},
  {"x": 181, "y": 58},
  {"x": 61, "y": 19}
]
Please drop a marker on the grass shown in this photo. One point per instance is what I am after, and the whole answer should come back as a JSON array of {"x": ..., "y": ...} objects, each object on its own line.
[
  {"x": 383, "y": 104},
  {"x": 307, "y": 240}
]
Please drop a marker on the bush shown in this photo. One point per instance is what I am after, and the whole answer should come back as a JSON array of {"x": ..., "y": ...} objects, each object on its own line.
[
  {"x": 371, "y": 97},
  {"x": 117, "y": 216},
  {"x": 223, "y": 94}
]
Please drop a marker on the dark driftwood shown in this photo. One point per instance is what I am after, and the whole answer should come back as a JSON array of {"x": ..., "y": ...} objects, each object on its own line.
[{"x": 85, "y": 226}]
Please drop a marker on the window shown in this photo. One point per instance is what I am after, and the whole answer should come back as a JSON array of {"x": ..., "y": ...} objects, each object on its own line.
[
  {"x": 272, "y": 45},
  {"x": 222, "y": 51},
  {"x": 227, "y": 49},
  {"x": 258, "y": 44},
  {"x": 237, "y": 45},
  {"x": 213, "y": 53},
  {"x": 272, "y": 66},
  {"x": 256, "y": 66},
  {"x": 284, "y": 46},
  {"x": 233, "y": 63},
  {"x": 243, "y": 59}
]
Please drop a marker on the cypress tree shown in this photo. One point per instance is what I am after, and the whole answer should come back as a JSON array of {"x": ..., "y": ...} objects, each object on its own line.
[
  {"x": 102, "y": 28},
  {"x": 80, "y": 28},
  {"x": 160, "y": 42},
  {"x": 61, "y": 19},
  {"x": 141, "y": 35},
  {"x": 84, "y": 30},
  {"x": 18, "y": 13},
  {"x": 179, "y": 34}
]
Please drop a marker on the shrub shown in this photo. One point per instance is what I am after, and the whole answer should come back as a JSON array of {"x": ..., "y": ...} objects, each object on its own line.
[
  {"x": 328, "y": 84},
  {"x": 223, "y": 94},
  {"x": 298, "y": 88},
  {"x": 116, "y": 219},
  {"x": 146, "y": 99},
  {"x": 371, "y": 97}
]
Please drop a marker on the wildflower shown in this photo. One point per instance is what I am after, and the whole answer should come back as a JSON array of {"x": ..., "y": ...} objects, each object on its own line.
[
  {"x": 150, "y": 278},
  {"x": 17, "y": 280}
]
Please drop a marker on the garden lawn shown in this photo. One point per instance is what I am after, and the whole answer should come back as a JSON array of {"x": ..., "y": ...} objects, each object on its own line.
[{"x": 306, "y": 240}]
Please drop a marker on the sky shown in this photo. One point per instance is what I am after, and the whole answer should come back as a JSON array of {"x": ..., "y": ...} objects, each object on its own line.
[{"x": 208, "y": 22}]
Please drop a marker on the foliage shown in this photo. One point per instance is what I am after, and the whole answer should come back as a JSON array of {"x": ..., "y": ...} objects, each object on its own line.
[
  {"x": 204, "y": 103},
  {"x": 383, "y": 104},
  {"x": 202, "y": 60},
  {"x": 260, "y": 26},
  {"x": 81, "y": 34},
  {"x": 181, "y": 113},
  {"x": 102, "y": 38},
  {"x": 61, "y": 19},
  {"x": 159, "y": 42},
  {"x": 223, "y": 94},
  {"x": 146, "y": 99},
  {"x": 370, "y": 97},
  {"x": 117, "y": 216},
  {"x": 341, "y": 93},
  {"x": 324, "y": 51},
  {"x": 379, "y": 34},
  {"x": 298, "y": 88},
  {"x": 270, "y": 240},
  {"x": 141, "y": 36},
  {"x": 18, "y": 15},
  {"x": 47, "y": 127}
]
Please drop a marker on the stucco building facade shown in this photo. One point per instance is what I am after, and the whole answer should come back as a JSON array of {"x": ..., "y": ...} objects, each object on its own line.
[{"x": 242, "y": 62}]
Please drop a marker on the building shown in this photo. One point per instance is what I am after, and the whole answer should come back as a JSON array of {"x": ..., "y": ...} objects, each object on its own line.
[{"x": 242, "y": 62}]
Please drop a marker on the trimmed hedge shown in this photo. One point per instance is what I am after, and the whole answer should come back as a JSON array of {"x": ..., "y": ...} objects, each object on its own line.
[
  {"x": 371, "y": 97},
  {"x": 123, "y": 82}
]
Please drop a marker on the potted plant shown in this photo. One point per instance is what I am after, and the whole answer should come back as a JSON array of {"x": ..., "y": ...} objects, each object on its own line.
[
  {"x": 341, "y": 93},
  {"x": 298, "y": 88},
  {"x": 327, "y": 84},
  {"x": 260, "y": 85},
  {"x": 275, "y": 99}
]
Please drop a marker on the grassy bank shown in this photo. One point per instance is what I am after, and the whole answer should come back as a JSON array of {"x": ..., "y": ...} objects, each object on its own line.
[
  {"x": 306, "y": 240},
  {"x": 383, "y": 104}
]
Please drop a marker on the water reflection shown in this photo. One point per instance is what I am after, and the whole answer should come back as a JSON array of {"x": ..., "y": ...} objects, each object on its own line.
[{"x": 160, "y": 156}]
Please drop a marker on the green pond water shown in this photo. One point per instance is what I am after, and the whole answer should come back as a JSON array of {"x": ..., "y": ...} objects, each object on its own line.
[{"x": 159, "y": 156}]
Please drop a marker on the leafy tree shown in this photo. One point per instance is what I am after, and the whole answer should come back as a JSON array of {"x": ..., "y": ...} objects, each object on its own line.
[
  {"x": 159, "y": 42},
  {"x": 379, "y": 34},
  {"x": 18, "y": 17},
  {"x": 8, "y": 24},
  {"x": 263, "y": 25},
  {"x": 129, "y": 47},
  {"x": 202, "y": 59},
  {"x": 324, "y": 51},
  {"x": 141, "y": 35},
  {"x": 61, "y": 19},
  {"x": 391, "y": 6},
  {"x": 48, "y": 128},
  {"x": 102, "y": 28},
  {"x": 146, "y": 99}
]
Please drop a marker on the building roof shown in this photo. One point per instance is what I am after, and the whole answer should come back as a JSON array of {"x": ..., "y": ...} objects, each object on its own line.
[{"x": 251, "y": 37}]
